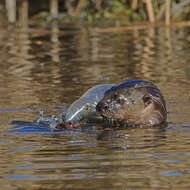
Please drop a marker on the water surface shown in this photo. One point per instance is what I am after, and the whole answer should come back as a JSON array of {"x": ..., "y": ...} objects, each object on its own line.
[{"x": 49, "y": 68}]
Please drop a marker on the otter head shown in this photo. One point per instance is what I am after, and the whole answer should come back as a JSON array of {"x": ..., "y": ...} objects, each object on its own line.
[{"x": 135, "y": 102}]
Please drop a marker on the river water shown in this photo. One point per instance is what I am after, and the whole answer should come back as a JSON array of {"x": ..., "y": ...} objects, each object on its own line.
[{"x": 50, "y": 68}]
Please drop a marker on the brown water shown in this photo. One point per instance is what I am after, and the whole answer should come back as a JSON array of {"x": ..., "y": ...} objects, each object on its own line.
[{"x": 51, "y": 68}]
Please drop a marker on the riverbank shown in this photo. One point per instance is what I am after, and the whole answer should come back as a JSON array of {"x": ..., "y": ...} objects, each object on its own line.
[{"x": 94, "y": 11}]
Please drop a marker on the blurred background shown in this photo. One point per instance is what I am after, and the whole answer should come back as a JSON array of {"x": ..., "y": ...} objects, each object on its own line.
[{"x": 95, "y": 10}]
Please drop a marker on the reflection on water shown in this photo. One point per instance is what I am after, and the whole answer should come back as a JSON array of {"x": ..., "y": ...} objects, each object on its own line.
[{"x": 49, "y": 69}]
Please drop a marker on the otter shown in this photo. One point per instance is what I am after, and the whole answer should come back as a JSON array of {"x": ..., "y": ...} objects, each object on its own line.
[{"x": 133, "y": 103}]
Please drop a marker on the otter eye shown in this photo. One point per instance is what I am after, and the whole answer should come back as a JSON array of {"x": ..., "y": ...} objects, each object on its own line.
[
  {"x": 120, "y": 100},
  {"x": 115, "y": 96},
  {"x": 146, "y": 100}
]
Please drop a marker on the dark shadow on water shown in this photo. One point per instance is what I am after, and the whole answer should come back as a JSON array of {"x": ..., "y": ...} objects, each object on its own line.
[{"x": 30, "y": 127}]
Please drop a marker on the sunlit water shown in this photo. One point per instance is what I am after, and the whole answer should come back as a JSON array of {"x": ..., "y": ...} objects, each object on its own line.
[{"x": 49, "y": 69}]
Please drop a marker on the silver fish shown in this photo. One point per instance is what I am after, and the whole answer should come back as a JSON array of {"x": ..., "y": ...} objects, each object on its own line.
[{"x": 85, "y": 107}]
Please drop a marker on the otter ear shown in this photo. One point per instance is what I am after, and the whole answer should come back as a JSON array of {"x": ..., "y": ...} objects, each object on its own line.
[{"x": 147, "y": 99}]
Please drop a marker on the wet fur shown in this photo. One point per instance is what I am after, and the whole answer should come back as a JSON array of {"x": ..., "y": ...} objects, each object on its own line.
[{"x": 133, "y": 103}]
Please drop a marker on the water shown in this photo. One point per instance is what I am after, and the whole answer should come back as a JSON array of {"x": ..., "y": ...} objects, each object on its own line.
[{"x": 50, "y": 68}]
